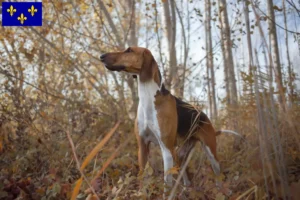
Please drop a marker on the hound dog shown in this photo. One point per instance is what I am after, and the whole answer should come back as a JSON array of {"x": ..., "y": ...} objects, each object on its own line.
[{"x": 162, "y": 118}]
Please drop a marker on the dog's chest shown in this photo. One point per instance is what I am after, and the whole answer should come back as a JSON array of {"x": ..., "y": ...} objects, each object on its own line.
[{"x": 147, "y": 115}]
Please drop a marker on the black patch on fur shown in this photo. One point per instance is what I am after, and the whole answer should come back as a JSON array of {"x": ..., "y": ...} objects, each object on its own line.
[
  {"x": 187, "y": 116},
  {"x": 159, "y": 75},
  {"x": 163, "y": 90}
]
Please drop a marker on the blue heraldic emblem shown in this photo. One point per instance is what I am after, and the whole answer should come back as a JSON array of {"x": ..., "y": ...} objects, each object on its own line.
[{"x": 22, "y": 13}]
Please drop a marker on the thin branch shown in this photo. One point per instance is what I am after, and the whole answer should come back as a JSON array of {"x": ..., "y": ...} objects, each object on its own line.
[
  {"x": 48, "y": 93},
  {"x": 172, "y": 194},
  {"x": 294, "y": 32},
  {"x": 111, "y": 23},
  {"x": 294, "y": 6},
  {"x": 78, "y": 165},
  {"x": 108, "y": 161},
  {"x": 159, "y": 41}
]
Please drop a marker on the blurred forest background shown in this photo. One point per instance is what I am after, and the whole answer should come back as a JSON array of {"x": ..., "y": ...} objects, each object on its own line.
[{"x": 238, "y": 60}]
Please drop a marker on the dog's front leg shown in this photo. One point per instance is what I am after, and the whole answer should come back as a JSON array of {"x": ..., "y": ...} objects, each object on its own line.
[
  {"x": 143, "y": 149},
  {"x": 168, "y": 160},
  {"x": 167, "y": 150},
  {"x": 143, "y": 153}
]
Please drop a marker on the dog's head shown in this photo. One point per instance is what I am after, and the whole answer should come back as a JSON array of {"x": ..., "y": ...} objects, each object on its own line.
[{"x": 134, "y": 60}]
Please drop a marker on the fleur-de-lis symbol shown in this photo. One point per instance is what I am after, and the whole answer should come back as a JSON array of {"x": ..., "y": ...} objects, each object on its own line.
[
  {"x": 22, "y": 18},
  {"x": 11, "y": 10},
  {"x": 32, "y": 10}
]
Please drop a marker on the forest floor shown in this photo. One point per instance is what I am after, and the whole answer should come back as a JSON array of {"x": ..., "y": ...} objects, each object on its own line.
[{"x": 39, "y": 164}]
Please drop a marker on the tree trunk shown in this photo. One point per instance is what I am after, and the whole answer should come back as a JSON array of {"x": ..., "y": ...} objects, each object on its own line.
[
  {"x": 275, "y": 52},
  {"x": 185, "y": 53},
  {"x": 248, "y": 31},
  {"x": 290, "y": 83},
  {"x": 111, "y": 23},
  {"x": 170, "y": 27},
  {"x": 210, "y": 62},
  {"x": 227, "y": 54},
  {"x": 133, "y": 41},
  {"x": 209, "y": 99},
  {"x": 225, "y": 66},
  {"x": 249, "y": 43},
  {"x": 229, "y": 66}
]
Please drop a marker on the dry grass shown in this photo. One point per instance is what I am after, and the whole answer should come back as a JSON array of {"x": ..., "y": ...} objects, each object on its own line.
[{"x": 42, "y": 166}]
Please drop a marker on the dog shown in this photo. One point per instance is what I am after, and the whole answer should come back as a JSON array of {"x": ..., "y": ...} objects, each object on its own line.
[{"x": 162, "y": 118}]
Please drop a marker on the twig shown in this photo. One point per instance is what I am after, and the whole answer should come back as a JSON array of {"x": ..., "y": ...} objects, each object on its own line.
[
  {"x": 181, "y": 174},
  {"x": 108, "y": 161},
  {"x": 248, "y": 192},
  {"x": 89, "y": 157},
  {"x": 48, "y": 93},
  {"x": 274, "y": 21},
  {"x": 294, "y": 6},
  {"x": 78, "y": 165}
]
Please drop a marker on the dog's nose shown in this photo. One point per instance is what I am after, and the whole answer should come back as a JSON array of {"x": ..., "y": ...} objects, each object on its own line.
[{"x": 102, "y": 57}]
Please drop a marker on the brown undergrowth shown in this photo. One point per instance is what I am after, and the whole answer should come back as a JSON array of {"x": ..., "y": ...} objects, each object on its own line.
[{"x": 38, "y": 162}]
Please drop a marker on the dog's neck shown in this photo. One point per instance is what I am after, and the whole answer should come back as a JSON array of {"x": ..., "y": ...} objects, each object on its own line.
[{"x": 148, "y": 89}]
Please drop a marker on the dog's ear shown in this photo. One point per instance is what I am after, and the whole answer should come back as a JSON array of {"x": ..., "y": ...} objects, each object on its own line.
[{"x": 147, "y": 68}]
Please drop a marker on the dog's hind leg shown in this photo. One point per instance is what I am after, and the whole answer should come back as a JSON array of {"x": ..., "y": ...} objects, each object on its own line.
[
  {"x": 208, "y": 138},
  {"x": 212, "y": 157}
]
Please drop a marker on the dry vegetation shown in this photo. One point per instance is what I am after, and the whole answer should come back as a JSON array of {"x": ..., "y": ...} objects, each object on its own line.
[
  {"x": 38, "y": 162},
  {"x": 60, "y": 136}
]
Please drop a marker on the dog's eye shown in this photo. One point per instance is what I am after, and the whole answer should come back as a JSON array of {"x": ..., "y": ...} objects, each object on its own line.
[{"x": 128, "y": 50}]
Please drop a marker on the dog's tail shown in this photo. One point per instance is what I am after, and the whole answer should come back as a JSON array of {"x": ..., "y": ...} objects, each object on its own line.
[{"x": 228, "y": 131}]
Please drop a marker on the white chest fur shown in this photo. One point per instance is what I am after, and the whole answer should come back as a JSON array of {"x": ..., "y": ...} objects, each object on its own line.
[
  {"x": 148, "y": 124},
  {"x": 147, "y": 115}
]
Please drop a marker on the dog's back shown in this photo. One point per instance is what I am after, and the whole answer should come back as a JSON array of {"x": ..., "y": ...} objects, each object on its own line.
[{"x": 189, "y": 118}]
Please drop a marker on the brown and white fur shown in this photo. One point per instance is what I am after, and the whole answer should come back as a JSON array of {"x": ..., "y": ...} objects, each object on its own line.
[{"x": 162, "y": 118}]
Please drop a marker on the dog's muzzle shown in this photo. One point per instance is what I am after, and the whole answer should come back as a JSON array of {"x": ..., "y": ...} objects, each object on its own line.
[
  {"x": 109, "y": 66},
  {"x": 102, "y": 57}
]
